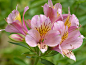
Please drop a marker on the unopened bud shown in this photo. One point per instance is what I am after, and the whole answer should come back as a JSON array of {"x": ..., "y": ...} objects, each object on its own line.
[{"x": 16, "y": 37}]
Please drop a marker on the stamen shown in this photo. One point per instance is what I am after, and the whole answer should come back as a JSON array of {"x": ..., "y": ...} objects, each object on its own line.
[
  {"x": 43, "y": 29},
  {"x": 68, "y": 23},
  {"x": 64, "y": 37}
]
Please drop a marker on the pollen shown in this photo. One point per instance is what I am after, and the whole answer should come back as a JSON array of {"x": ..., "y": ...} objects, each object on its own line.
[
  {"x": 64, "y": 37},
  {"x": 43, "y": 29},
  {"x": 18, "y": 17},
  {"x": 68, "y": 23}
]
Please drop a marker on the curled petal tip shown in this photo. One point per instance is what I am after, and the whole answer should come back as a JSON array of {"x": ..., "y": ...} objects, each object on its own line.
[
  {"x": 50, "y": 3},
  {"x": 73, "y": 57},
  {"x": 25, "y": 9}
]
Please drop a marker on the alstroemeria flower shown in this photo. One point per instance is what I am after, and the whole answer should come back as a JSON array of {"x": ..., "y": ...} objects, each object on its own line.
[
  {"x": 15, "y": 24},
  {"x": 41, "y": 33},
  {"x": 70, "y": 39},
  {"x": 53, "y": 12}
]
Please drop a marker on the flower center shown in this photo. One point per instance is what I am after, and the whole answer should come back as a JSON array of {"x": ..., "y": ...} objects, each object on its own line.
[{"x": 43, "y": 29}]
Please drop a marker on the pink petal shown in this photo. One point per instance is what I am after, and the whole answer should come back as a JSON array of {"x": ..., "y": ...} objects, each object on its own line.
[
  {"x": 72, "y": 28},
  {"x": 59, "y": 26},
  {"x": 52, "y": 38},
  {"x": 73, "y": 41},
  {"x": 64, "y": 16},
  {"x": 58, "y": 6},
  {"x": 37, "y": 21},
  {"x": 26, "y": 8},
  {"x": 74, "y": 21},
  {"x": 28, "y": 22},
  {"x": 15, "y": 27},
  {"x": 50, "y": 12},
  {"x": 30, "y": 41},
  {"x": 33, "y": 38},
  {"x": 50, "y": 3}
]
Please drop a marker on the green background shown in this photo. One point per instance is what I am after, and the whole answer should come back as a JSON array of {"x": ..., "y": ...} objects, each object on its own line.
[{"x": 12, "y": 54}]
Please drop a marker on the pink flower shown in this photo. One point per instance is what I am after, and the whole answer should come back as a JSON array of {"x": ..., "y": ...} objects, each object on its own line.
[
  {"x": 41, "y": 33},
  {"x": 53, "y": 12},
  {"x": 70, "y": 38},
  {"x": 15, "y": 24}
]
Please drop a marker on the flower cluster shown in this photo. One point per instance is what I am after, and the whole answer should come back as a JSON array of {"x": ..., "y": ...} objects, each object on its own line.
[{"x": 58, "y": 31}]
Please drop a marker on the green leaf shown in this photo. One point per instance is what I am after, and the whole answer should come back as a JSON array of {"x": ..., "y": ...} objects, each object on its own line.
[
  {"x": 29, "y": 53},
  {"x": 20, "y": 44},
  {"x": 79, "y": 62},
  {"x": 50, "y": 53},
  {"x": 19, "y": 61},
  {"x": 46, "y": 62}
]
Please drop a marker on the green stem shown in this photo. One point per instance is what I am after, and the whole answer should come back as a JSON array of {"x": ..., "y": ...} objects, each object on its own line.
[{"x": 36, "y": 61}]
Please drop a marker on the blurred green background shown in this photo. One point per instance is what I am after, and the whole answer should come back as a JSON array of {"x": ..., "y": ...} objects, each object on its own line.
[{"x": 12, "y": 54}]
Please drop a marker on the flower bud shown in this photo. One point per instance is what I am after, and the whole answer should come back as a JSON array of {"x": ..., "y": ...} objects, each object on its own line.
[{"x": 16, "y": 37}]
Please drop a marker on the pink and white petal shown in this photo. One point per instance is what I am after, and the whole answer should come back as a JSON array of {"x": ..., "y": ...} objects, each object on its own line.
[
  {"x": 59, "y": 26},
  {"x": 45, "y": 19},
  {"x": 50, "y": 12},
  {"x": 30, "y": 41},
  {"x": 15, "y": 28},
  {"x": 69, "y": 54},
  {"x": 58, "y": 6},
  {"x": 37, "y": 21},
  {"x": 19, "y": 27},
  {"x": 73, "y": 41},
  {"x": 26, "y": 8},
  {"x": 42, "y": 47},
  {"x": 64, "y": 16},
  {"x": 28, "y": 22},
  {"x": 11, "y": 28},
  {"x": 74, "y": 44},
  {"x": 52, "y": 38},
  {"x": 34, "y": 34},
  {"x": 72, "y": 28},
  {"x": 74, "y": 21},
  {"x": 71, "y": 36},
  {"x": 50, "y": 3}
]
